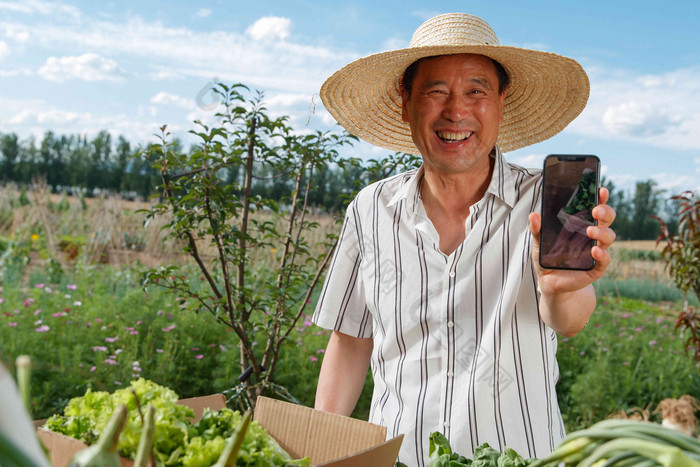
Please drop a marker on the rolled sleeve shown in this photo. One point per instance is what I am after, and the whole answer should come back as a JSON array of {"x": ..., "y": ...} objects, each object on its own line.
[{"x": 342, "y": 306}]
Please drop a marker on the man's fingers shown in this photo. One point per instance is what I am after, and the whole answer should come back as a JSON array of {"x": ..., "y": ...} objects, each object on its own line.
[
  {"x": 604, "y": 214},
  {"x": 602, "y": 258},
  {"x": 605, "y": 236},
  {"x": 535, "y": 224}
]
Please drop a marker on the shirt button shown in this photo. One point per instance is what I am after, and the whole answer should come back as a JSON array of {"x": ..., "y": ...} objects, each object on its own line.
[
  {"x": 446, "y": 424},
  {"x": 450, "y": 374},
  {"x": 450, "y": 324},
  {"x": 452, "y": 274}
]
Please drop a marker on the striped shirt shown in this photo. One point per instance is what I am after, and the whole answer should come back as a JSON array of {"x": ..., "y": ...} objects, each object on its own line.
[{"x": 459, "y": 345}]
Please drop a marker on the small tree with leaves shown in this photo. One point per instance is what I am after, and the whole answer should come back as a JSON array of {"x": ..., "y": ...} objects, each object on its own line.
[
  {"x": 260, "y": 300},
  {"x": 682, "y": 255}
]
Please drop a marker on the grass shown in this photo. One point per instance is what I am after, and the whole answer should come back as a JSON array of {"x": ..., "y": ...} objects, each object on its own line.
[
  {"x": 628, "y": 356},
  {"x": 642, "y": 289},
  {"x": 99, "y": 330}
]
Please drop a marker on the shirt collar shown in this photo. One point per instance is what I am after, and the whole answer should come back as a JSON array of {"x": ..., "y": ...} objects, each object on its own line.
[{"x": 502, "y": 184}]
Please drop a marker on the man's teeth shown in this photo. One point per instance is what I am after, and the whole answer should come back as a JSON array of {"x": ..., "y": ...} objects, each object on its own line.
[{"x": 453, "y": 137}]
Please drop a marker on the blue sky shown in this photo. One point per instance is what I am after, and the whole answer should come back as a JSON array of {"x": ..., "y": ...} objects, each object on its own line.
[{"x": 129, "y": 67}]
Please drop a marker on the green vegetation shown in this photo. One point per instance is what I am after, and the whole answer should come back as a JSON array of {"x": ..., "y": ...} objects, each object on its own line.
[
  {"x": 103, "y": 164},
  {"x": 97, "y": 329},
  {"x": 179, "y": 442},
  {"x": 642, "y": 289},
  {"x": 628, "y": 356}
]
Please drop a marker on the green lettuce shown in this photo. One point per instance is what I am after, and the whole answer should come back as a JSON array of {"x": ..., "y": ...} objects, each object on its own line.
[
  {"x": 258, "y": 448},
  {"x": 176, "y": 440}
]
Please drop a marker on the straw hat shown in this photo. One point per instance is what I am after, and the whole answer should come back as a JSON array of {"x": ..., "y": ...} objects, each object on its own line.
[{"x": 546, "y": 92}]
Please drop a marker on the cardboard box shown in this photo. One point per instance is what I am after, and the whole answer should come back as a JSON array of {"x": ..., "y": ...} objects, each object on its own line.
[{"x": 329, "y": 440}]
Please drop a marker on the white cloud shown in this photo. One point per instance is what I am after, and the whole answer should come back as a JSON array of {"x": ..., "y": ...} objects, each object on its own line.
[
  {"x": 16, "y": 33},
  {"x": 289, "y": 72},
  {"x": 674, "y": 183},
  {"x": 623, "y": 182},
  {"x": 35, "y": 117},
  {"x": 528, "y": 161},
  {"x": 17, "y": 72},
  {"x": 394, "y": 43},
  {"x": 326, "y": 118},
  {"x": 424, "y": 15},
  {"x": 659, "y": 110},
  {"x": 87, "y": 67},
  {"x": 203, "y": 13},
  {"x": 4, "y": 49},
  {"x": 164, "y": 75},
  {"x": 638, "y": 119},
  {"x": 166, "y": 98},
  {"x": 270, "y": 28},
  {"x": 287, "y": 100},
  {"x": 180, "y": 52},
  {"x": 39, "y": 7},
  {"x": 48, "y": 117}
]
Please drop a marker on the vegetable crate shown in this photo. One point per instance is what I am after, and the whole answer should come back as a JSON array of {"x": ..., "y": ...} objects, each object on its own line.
[{"x": 329, "y": 440}]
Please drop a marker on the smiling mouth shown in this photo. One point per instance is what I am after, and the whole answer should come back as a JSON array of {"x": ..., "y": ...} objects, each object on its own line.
[{"x": 450, "y": 137}]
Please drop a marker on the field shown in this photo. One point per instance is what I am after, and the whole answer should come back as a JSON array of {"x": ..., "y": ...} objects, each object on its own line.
[{"x": 71, "y": 298}]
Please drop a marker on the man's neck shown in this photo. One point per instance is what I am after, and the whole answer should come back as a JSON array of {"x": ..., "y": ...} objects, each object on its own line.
[
  {"x": 447, "y": 199},
  {"x": 455, "y": 193}
]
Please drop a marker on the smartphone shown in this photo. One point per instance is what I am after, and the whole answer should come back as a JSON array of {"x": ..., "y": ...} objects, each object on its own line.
[{"x": 569, "y": 194}]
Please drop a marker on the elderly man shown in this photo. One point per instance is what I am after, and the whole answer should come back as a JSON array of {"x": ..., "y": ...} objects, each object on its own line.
[{"x": 436, "y": 280}]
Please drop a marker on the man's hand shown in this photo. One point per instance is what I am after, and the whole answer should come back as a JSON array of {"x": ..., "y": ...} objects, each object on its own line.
[
  {"x": 556, "y": 281},
  {"x": 568, "y": 298}
]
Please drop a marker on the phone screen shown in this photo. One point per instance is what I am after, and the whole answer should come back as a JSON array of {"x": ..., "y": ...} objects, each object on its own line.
[{"x": 570, "y": 192}]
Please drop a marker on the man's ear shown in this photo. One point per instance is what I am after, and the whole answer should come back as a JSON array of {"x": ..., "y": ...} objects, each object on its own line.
[
  {"x": 502, "y": 101},
  {"x": 404, "y": 103}
]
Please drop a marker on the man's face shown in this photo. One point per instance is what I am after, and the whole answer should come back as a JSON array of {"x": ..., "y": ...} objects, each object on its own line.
[{"x": 454, "y": 111}]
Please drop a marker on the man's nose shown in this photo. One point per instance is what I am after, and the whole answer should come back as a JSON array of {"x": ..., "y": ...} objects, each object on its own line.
[{"x": 455, "y": 108}]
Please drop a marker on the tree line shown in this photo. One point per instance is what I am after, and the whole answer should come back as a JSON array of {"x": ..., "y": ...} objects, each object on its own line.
[{"x": 76, "y": 163}]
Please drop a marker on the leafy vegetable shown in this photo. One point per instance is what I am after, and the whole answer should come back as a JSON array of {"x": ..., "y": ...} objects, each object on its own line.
[
  {"x": 584, "y": 200},
  {"x": 176, "y": 440},
  {"x": 441, "y": 455},
  {"x": 208, "y": 438},
  {"x": 86, "y": 417},
  {"x": 104, "y": 452}
]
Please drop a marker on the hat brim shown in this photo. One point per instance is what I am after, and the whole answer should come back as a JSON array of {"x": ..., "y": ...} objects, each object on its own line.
[{"x": 547, "y": 91}]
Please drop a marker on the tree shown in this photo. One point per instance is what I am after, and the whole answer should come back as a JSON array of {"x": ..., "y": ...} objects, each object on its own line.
[
  {"x": 9, "y": 147},
  {"x": 645, "y": 204},
  {"x": 101, "y": 150},
  {"x": 261, "y": 301},
  {"x": 28, "y": 161},
  {"x": 123, "y": 155}
]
